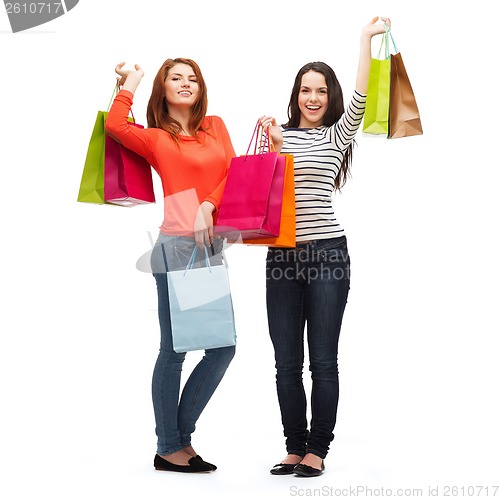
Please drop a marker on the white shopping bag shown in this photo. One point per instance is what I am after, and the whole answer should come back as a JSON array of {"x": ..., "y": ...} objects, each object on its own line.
[{"x": 196, "y": 287}]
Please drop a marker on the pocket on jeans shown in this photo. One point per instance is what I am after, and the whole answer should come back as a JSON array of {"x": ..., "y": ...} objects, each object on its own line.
[
  {"x": 180, "y": 254},
  {"x": 158, "y": 264},
  {"x": 334, "y": 250},
  {"x": 332, "y": 244}
]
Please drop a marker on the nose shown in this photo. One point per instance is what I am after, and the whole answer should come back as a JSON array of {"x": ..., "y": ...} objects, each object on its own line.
[{"x": 185, "y": 83}]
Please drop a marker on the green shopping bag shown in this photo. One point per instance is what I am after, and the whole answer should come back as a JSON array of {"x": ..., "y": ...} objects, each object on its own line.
[
  {"x": 92, "y": 182},
  {"x": 376, "y": 118}
]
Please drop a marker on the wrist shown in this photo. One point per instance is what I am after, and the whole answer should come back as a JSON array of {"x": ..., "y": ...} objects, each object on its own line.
[
  {"x": 209, "y": 205},
  {"x": 366, "y": 36}
]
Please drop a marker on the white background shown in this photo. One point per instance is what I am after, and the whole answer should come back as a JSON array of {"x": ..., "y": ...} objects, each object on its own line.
[{"x": 419, "y": 350}]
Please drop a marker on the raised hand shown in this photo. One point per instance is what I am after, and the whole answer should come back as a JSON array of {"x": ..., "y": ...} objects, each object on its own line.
[
  {"x": 372, "y": 28},
  {"x": 368, "y": 31},
  {"x": 131, "y": 76}
]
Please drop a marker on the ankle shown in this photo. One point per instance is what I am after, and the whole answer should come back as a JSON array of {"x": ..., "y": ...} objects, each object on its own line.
[
  {"x": 179, "y": 457},
  {"x": 312, "y": 460},
  {"x": 292, "y": 459},
  {"x": 190, "y": 451}
]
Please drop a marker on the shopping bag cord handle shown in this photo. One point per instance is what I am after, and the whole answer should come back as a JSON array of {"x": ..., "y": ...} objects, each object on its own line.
[
  {"x": 117, "y": 89},
  {"x": 193, "y": 256},
  {"x": 265, "y": 143}
]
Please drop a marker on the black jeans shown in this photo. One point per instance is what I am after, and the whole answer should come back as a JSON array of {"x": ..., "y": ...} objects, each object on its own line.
[{"x": 307, "y": 285}]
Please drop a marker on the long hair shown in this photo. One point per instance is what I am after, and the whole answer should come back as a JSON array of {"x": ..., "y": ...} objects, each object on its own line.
[
  {"x": 335, "y": 109},
  {"x": 157, "y": 111}
]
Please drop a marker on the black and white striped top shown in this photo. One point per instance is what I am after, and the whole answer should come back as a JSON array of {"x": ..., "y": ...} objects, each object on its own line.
[{"x": 318, "y": 154}]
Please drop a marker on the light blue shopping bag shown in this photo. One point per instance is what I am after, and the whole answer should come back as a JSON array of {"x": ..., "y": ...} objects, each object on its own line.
[{"x": 201, "y": 308}]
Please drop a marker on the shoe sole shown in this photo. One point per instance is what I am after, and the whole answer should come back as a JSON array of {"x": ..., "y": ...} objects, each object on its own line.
[{"x": 185, "y": 471}]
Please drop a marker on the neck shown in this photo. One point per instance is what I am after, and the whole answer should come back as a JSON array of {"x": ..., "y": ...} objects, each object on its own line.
[{"x": 182, "y": 115}]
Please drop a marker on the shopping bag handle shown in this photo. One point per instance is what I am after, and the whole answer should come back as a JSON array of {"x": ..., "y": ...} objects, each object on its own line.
[
  {"x": 193, "y": 256},
  {"x": 385, "y": 42},
  {"x": 267, "y": 144},
  {"x": 117, "y": 89},
  {"x": 252, "y": 141},
  {"x": 261, "y": 141},
  {"x": 389, "y": 32}
]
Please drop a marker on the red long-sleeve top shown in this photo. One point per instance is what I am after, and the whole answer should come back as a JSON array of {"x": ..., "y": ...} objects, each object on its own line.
[{"x": 191, "y": 171}]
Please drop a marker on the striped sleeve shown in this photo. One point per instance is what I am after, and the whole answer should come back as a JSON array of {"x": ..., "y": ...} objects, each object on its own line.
[{"x": 347, "y": 126}]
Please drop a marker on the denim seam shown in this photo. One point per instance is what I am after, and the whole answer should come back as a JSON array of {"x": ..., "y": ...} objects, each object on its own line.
[
  {"x": 197, "y": 392},
  {"x": 162, "y": 417}
]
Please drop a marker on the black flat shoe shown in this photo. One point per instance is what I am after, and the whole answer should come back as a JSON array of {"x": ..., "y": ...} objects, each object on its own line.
[
  {"x": 308, "y": 471},
  {"x": 282, "y": 469},
  {"x": 195, "y": 465},
  {"x": 214, "y": 467}
]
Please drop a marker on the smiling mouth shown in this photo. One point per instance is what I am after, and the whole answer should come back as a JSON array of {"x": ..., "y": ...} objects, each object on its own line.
[
  {"x": 185, "y": 93},
  {"x": 313, "y": 108}
]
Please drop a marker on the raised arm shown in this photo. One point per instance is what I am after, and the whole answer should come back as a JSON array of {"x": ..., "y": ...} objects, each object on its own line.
[
  {"x": 117, "y": 124},
  {"x": 365, "y": 51}
]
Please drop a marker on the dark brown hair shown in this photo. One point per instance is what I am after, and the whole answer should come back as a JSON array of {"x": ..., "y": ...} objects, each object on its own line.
[
  {"x": 157, "y": 112},
  {"x": 334, "y": 111}
]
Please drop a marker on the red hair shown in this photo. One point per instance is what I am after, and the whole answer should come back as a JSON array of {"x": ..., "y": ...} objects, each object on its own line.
[{"x": 157, "y": 112}]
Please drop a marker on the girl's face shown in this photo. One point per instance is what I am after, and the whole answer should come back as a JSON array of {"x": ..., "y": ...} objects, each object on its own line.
[
  {"x": 313, "y": 99},
  {"x": 181, "y": 86}
]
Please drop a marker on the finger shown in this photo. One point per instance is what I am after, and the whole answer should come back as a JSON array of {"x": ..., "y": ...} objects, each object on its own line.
[
  {"x": 267, "y": 122},
  {"x": 206, "y": 239},
  {"x": 198, "y": 237}
]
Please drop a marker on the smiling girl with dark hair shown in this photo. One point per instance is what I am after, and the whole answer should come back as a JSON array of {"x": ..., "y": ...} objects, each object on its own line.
[{"x": 309, "y": 285}]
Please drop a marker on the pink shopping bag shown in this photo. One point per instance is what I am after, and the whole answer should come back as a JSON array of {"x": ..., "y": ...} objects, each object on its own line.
[
  {"x": 253, "y": 194},
  {"x": 128, "y": 179}
]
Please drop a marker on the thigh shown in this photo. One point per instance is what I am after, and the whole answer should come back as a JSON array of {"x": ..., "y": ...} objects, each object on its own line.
[
  {"x": 285, "y": 309},
  {"x": 326, "y": 297}
]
